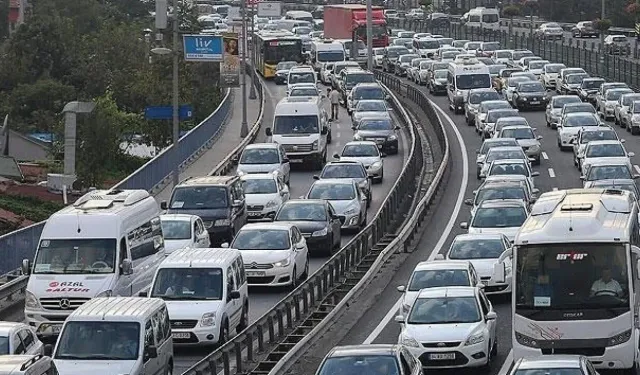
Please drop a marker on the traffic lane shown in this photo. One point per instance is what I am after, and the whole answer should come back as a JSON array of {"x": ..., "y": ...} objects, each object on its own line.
[{"x": 263, "y": 299}]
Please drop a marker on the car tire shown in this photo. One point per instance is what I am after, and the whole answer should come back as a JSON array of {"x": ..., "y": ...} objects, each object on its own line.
[
  {"x": 224, "y": 333},
  {"x": 487, "y": 366},
  {"x": 305, "y": 274},
  {"x": 169, "y": 369},
  {"x": 244, "y": 318},
  {"x": 294, "y": 278}
]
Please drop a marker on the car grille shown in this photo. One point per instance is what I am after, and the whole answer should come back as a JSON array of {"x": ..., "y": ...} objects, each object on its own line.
[
  {"x": 258, "y": 266},
  {"x": 459, "y": 361},
  {"x": 375, "y": 139},
  {"x": 297, "y": 148},
  {"x": 255, "y": 208},
  {"x": 71, "y": 303},
  {"x": 452, "y": 344},
  {"x": 183, "y": 324}
]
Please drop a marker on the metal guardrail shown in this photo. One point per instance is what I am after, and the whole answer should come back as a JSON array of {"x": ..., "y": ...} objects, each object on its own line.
[
  {"x": 258, "y": 348},
  {"x": 570, "y": 52},
  {"x": 403, "y": 240}
]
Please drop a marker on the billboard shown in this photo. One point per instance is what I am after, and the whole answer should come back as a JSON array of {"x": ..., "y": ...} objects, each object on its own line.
[
  {"x": 230, "y": 67},
  {"x": 202, "y": 47},
  {"x": 269, "y": 9}
]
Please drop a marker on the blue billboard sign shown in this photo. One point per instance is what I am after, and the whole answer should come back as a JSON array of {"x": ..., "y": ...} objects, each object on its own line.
[
  {"x": 160, "y": 112},
  {"x": 202, "y": 47}
]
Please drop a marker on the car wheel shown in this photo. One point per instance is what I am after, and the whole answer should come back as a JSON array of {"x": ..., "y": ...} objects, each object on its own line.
[
  {"x": 494, "y": 350},
  {"x": 294, "y": 278},
  {"x": 224, "y": 333},
  {"x": 305, "y": 274},
  {"x": 487, "y": 366},
  {"x": 329, "y": 139},
  {"x": 363, "y": 223},
  {"x": 169, "y": 369},
  {"x": 244, "y": 319}
]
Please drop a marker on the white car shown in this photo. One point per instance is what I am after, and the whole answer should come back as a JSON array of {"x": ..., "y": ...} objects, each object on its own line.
[
  {"x": 434, "y": 274},
  {"x": 565, "y": 72},
  {"x": 326, "y": 72},
  {"x": 488, "y": 144},
  {"x": 346, "y": 198},
  {"x": 571, "y": 124},
  {"x": 183, "y": 231},
  {"x": 305, "y": 90},
  {"x": 300, "y": 74},
  {"x": 368, "y": 154},
  {"x": 585, "y": 136},
  {"x": 611, "y": 151},
  {"x": 606, "y": 107},
  {"x": 484, "y": 251},
  {"x": 554, "y": 108},
  {"x": 502, "y": 56},
  {"x": 513, "y": 167},
  {"x": 378, "y": 54},
  {"x": 18, "y": 338},
  {"x": 352, "y": 170},
  {"x": 264, "y": 158},
  {"x": 504, "y": 216},
  {"x": 500, "y": 190},
  {"x": 484, "y": 108},
  {"x": 536, "y": 67},
  {"x": 460, "y": 317},
  {"x": 606, "y": 170},
  {"x": 502, "y": 153},
  {"x": 264, "y": 194},
  {"x": 622, "y": 106},
  {"x": 274, "y": 254},
  {"x": 550, "y": 75}
]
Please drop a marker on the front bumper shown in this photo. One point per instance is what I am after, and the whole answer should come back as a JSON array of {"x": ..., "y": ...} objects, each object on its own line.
[
  {"x": 265, "y": 214},
  {"x": 463, "y": 356},
  {"x": 275, "y": 276},
  {"x": 319, "y": 244},
  {"x": 522, "y": 103},
  {"x": 439, "y": 89},
  {"x": 47, "y": 324},
  {"x": 196, "y": 336}
]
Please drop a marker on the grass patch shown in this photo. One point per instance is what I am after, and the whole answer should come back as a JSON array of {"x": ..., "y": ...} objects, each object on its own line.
[{"x": 31, "y": 208}]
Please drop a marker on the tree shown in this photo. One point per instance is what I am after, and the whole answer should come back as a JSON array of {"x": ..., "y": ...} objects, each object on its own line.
[
  {"x": 511, "y": 11},
  {"x": 426, "y": 4},
  {"x": 4, "y": 19},
  {"x": 602, "y": 25}
]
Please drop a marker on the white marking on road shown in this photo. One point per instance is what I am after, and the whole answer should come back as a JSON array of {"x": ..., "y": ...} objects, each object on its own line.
[
  {"x": 555, "y": 189},
  {"x": 507, "y": 363},
  {"x": 338, "y": 125},
  {"x": 338, "y": 134},
  {"x": 445, "y": 234},
  {"x": 637, "y": 168},
  {"x": 545, "y": 156},
  {"x": 552, "y": 174}
]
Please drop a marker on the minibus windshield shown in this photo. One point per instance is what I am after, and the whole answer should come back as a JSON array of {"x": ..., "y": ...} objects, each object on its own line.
[
  {"x": 183, "y": 284},
  {"x": 75, "y": 256},
  {"x": 101, "y": 340}
]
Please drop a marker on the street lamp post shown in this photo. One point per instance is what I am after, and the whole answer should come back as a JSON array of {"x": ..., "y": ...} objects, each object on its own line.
[
  {"x": 602, "y": 16},
  {"x": 252, "y": 89},
  {"x": 176, "y": 98},
  {"x": 369, "y": 36},
  {"x": 244, "y": 130}
]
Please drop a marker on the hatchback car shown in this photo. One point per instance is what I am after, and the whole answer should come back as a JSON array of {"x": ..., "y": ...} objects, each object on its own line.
[
  {"x": 529, "y": 95},
  {"x": 369, "y": 108},
  {"x": 438, "y": 82},
  {"x": 463, "y": 315},
  {"x": 526, "y": 138},
  {"x": 488, "y": 144},
  {"x": 607, "y": 104},
  {"x": 265, "y": 193},
  {"x": 264, "y": 158},
  {"x": 305, "y": 90},
  {"x": 504, "y": 216},
  {"x": 585, "y": 136},
  {"x": 571, "y": 124},
  {"x": 604, "y": 170},
  {"x": 589, "y": 88},
  {"x": 571, "y": 83},
  {"x": 391, "y": 55},
  {"x": 274, "y": 254},
  {"x": 364, "y": 91},
  {"x": 502, "y": 153},
  {"x": 474, "y": 99},
  {"x": 550, "y": 75},
  {"x": 368, "y": 154},
  {"x": 404, "y": 63},
  {"x": 493, "y": 116},
  {"x": 380, "y": 130},
  {"x": 346, "y": 198},
  {"x": 362, "y": 359},
  {"x": 484, "y": 108},
  {"x": 182, "y": 230},
  {"x": 500, "y": 190},
  {"x": 509, "y": 121},
  {"x": 282, "y": 72},
  {"x": 622, "y": 107},
  {"x": 513, "y": 167},
  {"x": 609, "y": 151},
  {"x": 577, "y": 108},
  {"x": 511, "y": 86},
  {"x": 554, "y": 108},
  {"x": 352, "y": 170}
]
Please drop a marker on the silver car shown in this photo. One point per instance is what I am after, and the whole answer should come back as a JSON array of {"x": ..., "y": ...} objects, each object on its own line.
[
  {"x": 622, "y": 107},
  {"x": 353, "y": 170},
  {"x": 493, "y": 116},
  {"x": 607, "y": 104},
  {"x": 484, "y": 108},
  {"x": 529, "y": 142},
  {"x": 347, "y": 200},
  {"x": 502, "y": 153},
  {"x": 488, "y": 144},
  {"x": 554, "y": 108},
  {"x": 366, "y": 152},
  {"x": 474, "y": 99},
  {"x": 369, "y": 108},
  {"x": 587, "y": 135}
]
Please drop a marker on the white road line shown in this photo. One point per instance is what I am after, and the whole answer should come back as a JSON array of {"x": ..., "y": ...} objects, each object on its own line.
[
  {"x": 338, "y": 134},
  {"x": 637, "y": 168},
  {"x": 552, "y": 174},
  {"x": 545, "y": 156},
  {"x": 507, "y": 363},
  {"x": 337, "y": 125},
  {"x": 445, "y": 234},
  {"x": 555, "y": 189}
]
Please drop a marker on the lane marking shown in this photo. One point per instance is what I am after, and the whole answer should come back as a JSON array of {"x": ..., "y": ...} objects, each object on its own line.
[
  {"x": 506, "y": 366},
  {"x": 545, "y": 156},
  {"x": 637, "y": 168},
  {"x": 338, "y": 134},
  {"x": 552, "y": 174},
  {"x": 555, "y": 189},
  {"x": 445, "y": 234}
]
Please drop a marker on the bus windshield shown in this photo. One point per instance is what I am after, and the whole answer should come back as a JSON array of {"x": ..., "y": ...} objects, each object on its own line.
[
  {"x": 473, "y": 81},
  {"x": 282, "y": 50},
  {"x": 572, "y": 276},
  {"x": 325, "y": 56}
]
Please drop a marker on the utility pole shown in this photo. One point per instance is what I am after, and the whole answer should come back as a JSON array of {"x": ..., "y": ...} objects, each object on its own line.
[
  {"x": 369, "y": 35},
  {"x": 176, "y": 97},
  {"x": 252, "y": 89},
  {"x": 244, "y": 130},
  {"x": 602, "y": 52}
]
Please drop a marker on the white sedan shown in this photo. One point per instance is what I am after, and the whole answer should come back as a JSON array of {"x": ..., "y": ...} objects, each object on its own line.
[
  {"x": 460, "y": 317},
  {"x": 368, "y": 154},
  {"x": 274, "y": 254},
  {"x": 571, "y": 124},
  {"x": 609, "y": 151},
  {"x": 504, "y": 216},
  {"x": 182, "y": 230},
  {"x": 18, "y": 338},
  {"x": 264, "y": 158},
  {"x": 264, "y": 193}
]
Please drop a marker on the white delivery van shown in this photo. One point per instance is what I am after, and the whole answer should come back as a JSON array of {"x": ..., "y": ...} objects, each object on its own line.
[
  {"x": 464, "y": 74},
  {"x": 301, "y": 125},
  {"x": 114, "y": 336},
  {"x": 108, "y": 243},
  {"x": 486, "y": 18},
  {"x": 206, "y": 293},
  {"x": 326, "y": 51},
  {"x": 26, "y": 364}
]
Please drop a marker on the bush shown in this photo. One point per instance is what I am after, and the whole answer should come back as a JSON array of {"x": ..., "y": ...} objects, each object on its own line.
[{"x": 28, "y": 207}]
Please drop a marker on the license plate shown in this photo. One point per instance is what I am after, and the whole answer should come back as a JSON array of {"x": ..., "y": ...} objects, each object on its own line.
[
  {"x": 254, "y": 214},
  {"x": 180, "y": 335},
  {"x": 442, "y": 356},
  {"x": 295, "y": 160},
  {"x": 535, "y": 102},
  {"x": 255, "y": 273}
]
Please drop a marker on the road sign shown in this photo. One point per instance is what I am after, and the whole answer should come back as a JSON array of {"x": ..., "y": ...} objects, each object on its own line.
[
  {"x": 269, "y": 9},
  {"x": 202, "y": 47},
  {"x": 160, "y": 112}
]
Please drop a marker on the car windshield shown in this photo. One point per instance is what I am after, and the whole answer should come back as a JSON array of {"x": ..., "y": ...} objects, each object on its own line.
[
  {"x": 575, "y": 78},
  {"x": 476, "y": 248},
  {"x": 445, "y": 41},
  {"x": 375, "y": 125},
  {"x": 628, "y": 99},
  {"x": 518, "y": 133},
  {"x": 500, "y": 192},
  {"x": 444, "y": 310},
  {"x": 488, "y": 145},
  {"x": 360, "y": 364},
  {"x": 473, "y": 81},
  {"x": 359, "y": 45},
  {"x": 408, "y": 58},
  {"x": 303, "y": 30},
  {"x": 615, "y": 94},
  {"x": 4, "y": 345},
  {"x": 343, "y": 171},
  {"x": 199, "y": 198},
  {"x": 261, "y": 239},
  {"x": 493, "y": 116},
  {"x": 369, "y": 93},
  {"x": 601, "y": 135},
  {"x": 296, "y": 125},
  {"x": 76, "y": 256},
  {"x": 588, "y": 108},
  {"x": 260, "y": 156},
  {"x": 608, "y": 172},
  {"x": 102, "y": 340},
  {"x": 286, "y": 65},
  {"x": 378, "y": 52},
  {"x": 577, "y": 121},
  {"x": 490, "y": 46},
  {"x": 537, "y": 64},
  {"x": 592, "y": 84},
  {"x": 428, "y": 44},
  {"x": 332, "y": 192},
  {"x": 360, "y": 150},
  {"x": 554, "y": 68},
  {"x": 479, "y": 97},
  {"x": 425, "y": 65},
  {"x": 550, "y": 371},
  {"x": 503, "y": 54},
  {"x": 371, "y": 106},
  {"x": 497, "y": 154},
  {"x": 604, "y": 151},
  {"x": 530, "y": 87},
  {"x": 306, "y": 91},
  {"x": 517, "y": 55},
  {"x": 499, "y": 217},
  {"x": 514, "y": 81},
  {"x": 559, "y": 102},
  {"x": 440, "y": 74},
  {"x": 472, "y": 45},
  {"x": 302, "y": 212},
  {"x": 406, "y": 34},
  {"x": 422, "y": 279},
  {"x": 505, "y": 121},
  {"x": 353, "y": 79},
  {"x": 449, "y": 55},
  {"x": 509, "y": 169},
  {"x": 636, "y": 108},
  {"x": 486, "y": 107},
  {"x": 190, "y": 283},
  {"x": 260, "y": 186},
  {"x": 301, "y": 77},
  {"x": 176, "y": 229},
  {"x": 495, "y": 69}
]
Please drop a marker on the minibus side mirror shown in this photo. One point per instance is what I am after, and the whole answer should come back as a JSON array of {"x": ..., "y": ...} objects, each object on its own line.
[
  {"x": 126, "y": 268},
  {"x": 26, "y": 267},
  {"x": 48, "y": 350}
]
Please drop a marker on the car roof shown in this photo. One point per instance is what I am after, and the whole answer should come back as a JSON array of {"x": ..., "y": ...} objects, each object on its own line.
[
  {"x": 343, "y": 162},
  {"x": 304, "y": 201},
  {"x": 578, "y": 105},
  {"x": 442, "y": 265},
  {"x": 549, "y": 362},
  {"x": 282, "y": 225},
  {"x": 358, "y": 350},
  {"x": 448, "y": 291},
  {"x": 517, "y": 127},
  {"x": 367, "y": 143},
  {"x": 513, "y": 118},
  {"x": 478, "y": 236},
  {"x": 261, "y": 146},
  {"x": 506, "y": 148},
  {"x": 7, "y": 327},
  {"x": 605, "y": 142},
  {"x": 499, "y": 203},
  {"x": 333, "y": 181},
  {"x": 509, "y": 161},
  {"x": 500, "y": 140},
  {"x": 260, "y": 176}
]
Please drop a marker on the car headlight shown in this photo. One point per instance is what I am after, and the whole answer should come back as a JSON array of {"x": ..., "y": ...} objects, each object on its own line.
[
  {"x": 314, "y": 145},
  {"x": 409, "y": 341},
  {"x": 31, "y": 301},
  {"x": 357, "y": 137},
  {"x": 376, "y": 165},
  {"x": 524, "y": 99},
  {"x": 272, "y": 203},
  {"x": 283, "y": 263},
  {"x": 208, "y": 319},
  {"x": 364, "y": 184},
  {"x": 321, "y": 232},
  {"x": 393, "y": 137},
  {"x": 222, "y": 222},
  {"x": 106, "y": 293},
  {"x": 475, "y": 339}
]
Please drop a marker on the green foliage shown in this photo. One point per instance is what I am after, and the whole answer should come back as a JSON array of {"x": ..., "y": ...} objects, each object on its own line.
[
  {"x": 4, "y": 19},
  {"x": 30, "y": 208},
  {"x": 511, "y": 11},
  {"x": 602, "y": 25},
  {"x": 426, "y": 3}
]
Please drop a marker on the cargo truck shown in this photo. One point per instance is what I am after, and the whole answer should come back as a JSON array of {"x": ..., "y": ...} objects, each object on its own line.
[{"x": 343, "y": 20}]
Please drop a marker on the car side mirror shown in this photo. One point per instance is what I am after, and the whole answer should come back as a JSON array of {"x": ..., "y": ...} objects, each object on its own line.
[
  {"x": 164, "y": 205},
  {"x": 631, "y": 154},
  {"x": 224, "y": 245},
  {"x": 491, "y": 315},
  {"x": 26, "y": 267},
  {"x": 439, "y": 257},
  {"x": 468, "y": 202},
  {"x": 237, "y": 203},
  {"x": 144, "y": 293},
  {"x": 234, "y": 294},
  {"x": 354, "y": 128},
  {"x": 539, "y": 137},
  {"x": 151, "y": 352},
  {"x": 268, "y": 132},
  {"x": 285, "y": 160},
  {"x": 535, "y": 174},
  {"x": 48, "y": 350},
  {"x": 499, "y": 271},
  {"x": 126, "y": 268},
  {"x": 622, "y": 141},
  {"x": 387, "y": 97},
  {"x": 480, "y": 285},
  {"x": 636, "y": 176},
  {"x": 399, "y": 319},
  {"x": 401, "y": 288},
  {"x": 583, "y": 178},
  {"x": 336, "y": 156},
  {"x": 464, "y": 225},
  {"x": 316, "y": 177}
]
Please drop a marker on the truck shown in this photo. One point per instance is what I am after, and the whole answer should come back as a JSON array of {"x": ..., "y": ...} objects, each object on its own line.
[{"x": 343, "y": 21}]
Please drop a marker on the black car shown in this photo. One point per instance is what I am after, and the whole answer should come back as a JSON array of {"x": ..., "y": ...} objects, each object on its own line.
[
  {"x": 391, "y": 55},
  {"x": 589, "y": 88},
  {"x": 370, "y": 359},
  {"x": 317, "y": 221},
  {"x": 530, "y": 95},
  {"x": 571, "y": 83},
  {"x": 380, "y": 130},
  {"x": 584, "y": 29},
  {"x": 438, "y": 82},
  {"x": 282, "y": 72}
]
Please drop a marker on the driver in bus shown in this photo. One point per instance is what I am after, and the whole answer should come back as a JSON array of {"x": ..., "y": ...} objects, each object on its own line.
[{"x": 606, "y": 285}]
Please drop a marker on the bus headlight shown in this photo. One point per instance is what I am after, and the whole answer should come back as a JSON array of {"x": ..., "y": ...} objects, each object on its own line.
[
  {"x": 526, "y": 340},
  {"x": 619, "y": 339}
]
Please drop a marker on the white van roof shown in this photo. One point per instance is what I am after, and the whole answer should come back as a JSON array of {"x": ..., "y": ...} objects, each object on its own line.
[
  {"x": 200, "y": 258},
  {"x": 298, "y": 105},
  {"x": 117, "y": 308}
]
